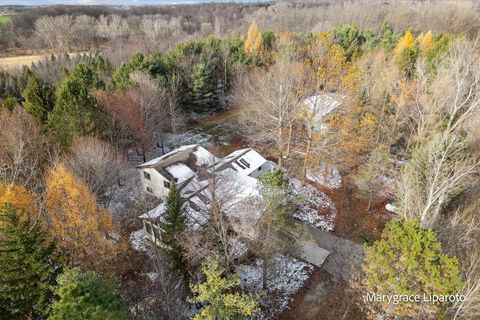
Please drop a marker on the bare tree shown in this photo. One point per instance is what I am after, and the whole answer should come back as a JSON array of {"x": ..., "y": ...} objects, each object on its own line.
[
  {"x": 268, "y": 100},
  {"x": 99, "y": 164},
  {"x": 442, "y": 166},
  {"x": 111, "y": 27},
  {"x": 23, "y": 148},
  {"x": 176, "y": 117}
]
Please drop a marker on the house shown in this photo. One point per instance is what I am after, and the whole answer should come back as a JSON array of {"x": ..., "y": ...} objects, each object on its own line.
[
  {"x": 198, "y": 174},
  {"x": 321, "y": 105}
]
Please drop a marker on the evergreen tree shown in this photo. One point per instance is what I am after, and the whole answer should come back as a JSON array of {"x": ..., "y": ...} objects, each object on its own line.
[
  {"x": 76, "y": 112},
  {"x": 409, "y": 260},
  {"x": 174, "y": 223},
  {"x": 219, "y": 304},
  {"x": 86, "y": 296},
  {"x": 27, "y": 267},
  {"x": 39, "y": 98},
  {"x": 203, "y": 91},
  {"x": 274, "y": 178}
]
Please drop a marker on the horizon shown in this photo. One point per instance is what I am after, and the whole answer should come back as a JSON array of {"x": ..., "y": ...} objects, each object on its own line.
[{"x": 116, "y": 3}]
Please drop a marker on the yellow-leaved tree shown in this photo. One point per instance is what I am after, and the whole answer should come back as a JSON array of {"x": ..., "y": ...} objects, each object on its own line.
[
  {"x": 407, "y": 42},
  {"x": 254, "y": 42},
  {"x": 425, "y": 41},
  {"x": 21, "y": 198},
  {"x": 81, "y": 228}
]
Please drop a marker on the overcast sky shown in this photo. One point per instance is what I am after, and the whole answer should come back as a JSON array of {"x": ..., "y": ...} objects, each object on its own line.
[{"x": 110, "y": 2}]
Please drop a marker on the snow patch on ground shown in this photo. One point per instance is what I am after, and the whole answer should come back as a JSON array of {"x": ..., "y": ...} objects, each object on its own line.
[
  {"x": 285, "y": 277},
  {"x": 317, "y": 209},
  {"x": 139, "y": 240},
  {"x": 326, "y": 176},
  {"x": 152, "y": 276}
]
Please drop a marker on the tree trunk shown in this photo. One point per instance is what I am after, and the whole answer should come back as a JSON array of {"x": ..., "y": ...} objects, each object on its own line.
[
  {"x": 305, "y": 160},
  {"x": 370, "y": 200},
  {"x": 264, "y": 275},
  {"x": 280, "y": 146},
  {"x": 289, "y": 138}
]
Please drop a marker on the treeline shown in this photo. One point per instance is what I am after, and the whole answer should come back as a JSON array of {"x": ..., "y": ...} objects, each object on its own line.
[{"x": 147, "y": 29}]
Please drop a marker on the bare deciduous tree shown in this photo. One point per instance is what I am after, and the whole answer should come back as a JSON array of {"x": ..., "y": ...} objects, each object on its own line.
[
  {"x": 98, "y": 163},
  {"x": 268, "y": 100},
  {"x": 23, "y": 150}
]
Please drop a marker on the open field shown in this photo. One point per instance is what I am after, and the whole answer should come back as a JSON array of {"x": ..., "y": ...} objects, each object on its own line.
[
  {"x": 5, "y": 20},
  {"x": 11, "y": 63}
]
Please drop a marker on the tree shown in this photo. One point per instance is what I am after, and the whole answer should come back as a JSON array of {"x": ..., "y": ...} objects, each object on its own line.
[
  {"x": 425, "y": 42},
  {"x": 28, "y": 267},
  {"x": 277, "y": 233},
  {"x": 82, "y": 229},
  {"x": 215, "y": 293},
  {"x": 87, "y": 296},
  {"x": 268, "y": 100},
  {"x": 23, "y": 149},
  {"x": 203, "y": 91},
  {"x": 21, "y": 199},
  {"x": 173, "y": 224},
  {"x": 254, "y": 42},
  {"x": 370, "y": 176},
  {"x": 98, "y": 164},
  {"x": 406, "y": 42},
  {"x": 76, "y": 112},
  {"x": 39, "y": 98},
  {"x": 408, "y": 260}
]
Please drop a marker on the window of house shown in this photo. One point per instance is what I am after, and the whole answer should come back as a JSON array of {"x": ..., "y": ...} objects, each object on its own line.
[
  {"x": 147, "y": 175},
  {"x": 166, "y": 184},
  {"x": 260, "y": 168},
  {"x": 149, "y": 190},
  {"x": 148, "y": 227}
]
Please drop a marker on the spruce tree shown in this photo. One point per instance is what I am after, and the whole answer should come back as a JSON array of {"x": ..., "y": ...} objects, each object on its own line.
[
  {"x": 76, "y": 112},
  {"x": 203, "y": 91},
  {"x": 87, "y": 296},
  {"x": 39, "y": 98},
  {"x": 27, "y": 267},
  {"x": 174, "y": 223}
]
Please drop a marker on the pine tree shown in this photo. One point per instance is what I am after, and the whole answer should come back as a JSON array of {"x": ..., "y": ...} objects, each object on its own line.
[
  {"x": 76, "y": 112},
  {"x": 275, "y": 178},
  {"x": 203, "y": 91},
  {"x": 212, "y": 293},
  {"x": 174, "y": 223},
  {"x": 39, "y": 98},
  {"x": 254, "y": 42},
  {"x": 86, "y": 296},
  {"x": 27, "y": 267},
  {"x": 409, "y": 260}
]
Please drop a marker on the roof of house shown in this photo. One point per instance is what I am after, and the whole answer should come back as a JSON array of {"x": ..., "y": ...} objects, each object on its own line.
[{"x": 154, "y": 162}]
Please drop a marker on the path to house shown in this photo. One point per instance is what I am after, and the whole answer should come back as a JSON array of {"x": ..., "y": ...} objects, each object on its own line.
[{"x": 345, "y": 255}]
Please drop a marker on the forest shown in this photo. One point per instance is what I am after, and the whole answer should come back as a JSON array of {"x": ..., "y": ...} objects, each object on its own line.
[{"x": 369, "y": 110}]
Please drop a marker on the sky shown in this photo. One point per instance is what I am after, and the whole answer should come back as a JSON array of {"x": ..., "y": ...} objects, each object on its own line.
[{"x": 111, "y": 2}]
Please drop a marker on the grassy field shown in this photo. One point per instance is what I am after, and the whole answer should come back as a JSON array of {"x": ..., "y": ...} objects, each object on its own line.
[
  {"x": 5, "y": 20},
  {"x": 11, "y": 63}
]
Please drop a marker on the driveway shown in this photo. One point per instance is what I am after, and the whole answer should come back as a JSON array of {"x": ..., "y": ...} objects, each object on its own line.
[{"x": 345, "y": 256}]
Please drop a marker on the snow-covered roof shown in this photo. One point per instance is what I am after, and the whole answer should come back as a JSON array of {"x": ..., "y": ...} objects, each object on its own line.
[
  {"x": 157, "y": 160},
  {"x": 204, "y": 158},
  {"x": 248, "y": 162},
  {"x": 155, "y": 213},
  {"x": 321, "y": 105},
  {"x": 180, "y": 171}
]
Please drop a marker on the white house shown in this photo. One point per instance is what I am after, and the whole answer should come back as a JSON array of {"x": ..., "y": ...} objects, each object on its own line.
[
  {"x": 321, "y": 105},
  {"x": 193, "y": 169}
]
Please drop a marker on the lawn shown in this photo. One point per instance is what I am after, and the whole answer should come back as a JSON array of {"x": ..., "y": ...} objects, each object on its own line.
[{"x": 5, "y": 20}]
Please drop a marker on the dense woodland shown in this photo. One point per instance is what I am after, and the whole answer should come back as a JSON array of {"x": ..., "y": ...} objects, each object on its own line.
[{"x": 72, "y": 125}]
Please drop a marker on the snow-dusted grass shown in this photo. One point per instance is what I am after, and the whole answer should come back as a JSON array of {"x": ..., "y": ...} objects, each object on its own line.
[
  {"x": 317, "y": 209},
  {"x": 328, "y": 177},
  {"x": 285, "y": 277}
]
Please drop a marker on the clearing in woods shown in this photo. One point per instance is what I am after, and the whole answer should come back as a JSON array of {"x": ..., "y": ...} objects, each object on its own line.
[{"x": 5, "y": 20}]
